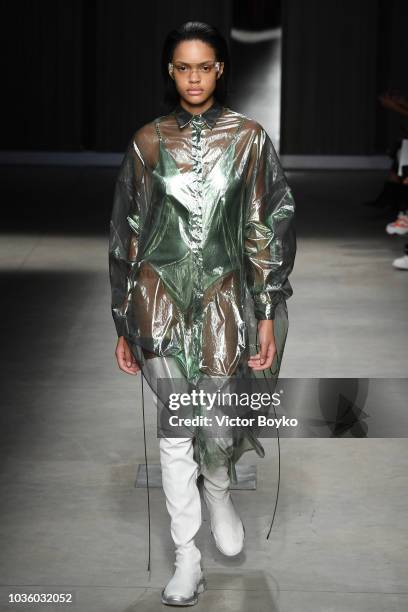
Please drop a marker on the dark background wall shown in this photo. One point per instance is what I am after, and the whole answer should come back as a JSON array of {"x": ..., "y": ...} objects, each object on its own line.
[
  {"x": 83, "y": 74},
  {"x": 337, "y": 57}
]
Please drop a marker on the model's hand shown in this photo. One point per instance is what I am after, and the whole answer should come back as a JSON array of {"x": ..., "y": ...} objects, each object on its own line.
[
  {"x": 125, "y": 358},
  {"x": 394, "y": 102},
  {"x": 263, "y": 359}
]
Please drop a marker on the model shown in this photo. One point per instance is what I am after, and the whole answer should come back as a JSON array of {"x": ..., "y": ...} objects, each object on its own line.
[{"x": 202, "y": 242}]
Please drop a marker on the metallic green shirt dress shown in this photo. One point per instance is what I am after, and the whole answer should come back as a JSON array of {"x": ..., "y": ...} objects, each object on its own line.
[{"x": 202, "y": 242}]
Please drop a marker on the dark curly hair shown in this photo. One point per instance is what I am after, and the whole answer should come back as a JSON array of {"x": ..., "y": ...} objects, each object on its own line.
[{"x": 195, "y": 30}]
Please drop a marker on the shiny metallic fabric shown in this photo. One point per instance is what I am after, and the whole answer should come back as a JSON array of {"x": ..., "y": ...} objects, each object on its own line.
[{"x": 202, "y": 242}]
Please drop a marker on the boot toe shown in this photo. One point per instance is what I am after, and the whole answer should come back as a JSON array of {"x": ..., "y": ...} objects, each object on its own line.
[
  {"x": 172, "y": 597},
  {"x": 230, "y": 543}
]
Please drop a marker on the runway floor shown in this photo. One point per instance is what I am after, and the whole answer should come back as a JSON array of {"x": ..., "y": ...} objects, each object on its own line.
[{"x": 71, "y": 518}]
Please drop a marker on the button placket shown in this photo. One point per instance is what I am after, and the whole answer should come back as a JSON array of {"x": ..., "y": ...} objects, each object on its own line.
[{"x": 197, "y": 124}]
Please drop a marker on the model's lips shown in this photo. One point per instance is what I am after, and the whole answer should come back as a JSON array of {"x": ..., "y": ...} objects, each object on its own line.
[{"x": 194, "y": 92}]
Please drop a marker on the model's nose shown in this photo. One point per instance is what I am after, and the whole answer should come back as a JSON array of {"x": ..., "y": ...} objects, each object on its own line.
[{"x": 194, "y": 77}]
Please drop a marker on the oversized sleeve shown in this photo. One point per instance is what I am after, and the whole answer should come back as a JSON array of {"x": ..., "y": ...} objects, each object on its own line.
[
  {"x": 125, "y": 226},
  {"x": 270, "y": 239}
]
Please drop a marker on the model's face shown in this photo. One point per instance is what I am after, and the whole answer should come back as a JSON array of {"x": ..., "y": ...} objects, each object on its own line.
[{"x": 194, "y": 72}]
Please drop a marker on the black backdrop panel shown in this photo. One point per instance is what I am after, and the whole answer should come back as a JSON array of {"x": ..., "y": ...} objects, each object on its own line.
[
  {"x": 337, "y": 57},
  {"x": 329, "y": 85},
  {"x": 42, "y": 63},
  {"x": 84, "y": 74}
]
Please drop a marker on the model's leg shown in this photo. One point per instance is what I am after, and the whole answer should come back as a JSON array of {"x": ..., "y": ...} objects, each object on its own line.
[
  {"x": 179, "y": 476},
  {"x": 226, "y": 525},
  {"x": 179, "y": 479}
]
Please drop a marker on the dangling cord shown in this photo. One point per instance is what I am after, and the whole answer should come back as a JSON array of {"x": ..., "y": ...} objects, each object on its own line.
[
  {"x": 147, "y": 475},
  {"x": 277, "y": 432},
  {"x": 277, "y": 490}
]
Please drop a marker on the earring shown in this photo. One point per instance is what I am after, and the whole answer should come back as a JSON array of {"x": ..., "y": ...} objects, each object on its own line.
[{"x": 170, "y": 68}]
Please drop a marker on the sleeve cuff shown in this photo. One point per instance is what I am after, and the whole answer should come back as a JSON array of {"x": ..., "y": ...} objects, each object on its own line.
[
  {"x": 265, "y": 305},
  {"x": 120, "y": 324}
]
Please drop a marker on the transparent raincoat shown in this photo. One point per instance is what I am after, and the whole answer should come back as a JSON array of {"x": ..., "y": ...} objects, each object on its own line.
[{"x": 202, "y": 242}]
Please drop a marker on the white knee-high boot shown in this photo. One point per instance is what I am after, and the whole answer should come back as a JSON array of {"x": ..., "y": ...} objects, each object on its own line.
[
  {"x": 226, "y": 525},
  {"x": 179, "y": 476}
]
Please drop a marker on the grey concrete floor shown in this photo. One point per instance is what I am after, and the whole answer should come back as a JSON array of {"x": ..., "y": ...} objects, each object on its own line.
[{"x": 71, "y": 519}]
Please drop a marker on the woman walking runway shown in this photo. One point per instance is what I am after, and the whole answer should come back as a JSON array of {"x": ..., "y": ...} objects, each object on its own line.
[{"x": 202, "y": 242}]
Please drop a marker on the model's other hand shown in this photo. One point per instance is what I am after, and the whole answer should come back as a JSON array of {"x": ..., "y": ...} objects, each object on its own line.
[
  {"x": 266, "y": 339},
  {"x": 125, "y": 357}
]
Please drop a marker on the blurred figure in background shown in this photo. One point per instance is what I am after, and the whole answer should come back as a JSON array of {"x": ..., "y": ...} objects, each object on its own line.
[{"x": 395, "y": 190}]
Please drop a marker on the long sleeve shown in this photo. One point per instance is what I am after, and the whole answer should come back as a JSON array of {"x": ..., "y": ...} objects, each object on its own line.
[
  {"x": 270, "y": 239},
  {"x": 125, "y": 232}
]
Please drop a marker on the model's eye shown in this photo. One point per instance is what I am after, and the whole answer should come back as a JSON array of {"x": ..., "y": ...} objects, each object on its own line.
[
  {"x": 181, "y": 68},
  {"x": 206, "y": 68}
]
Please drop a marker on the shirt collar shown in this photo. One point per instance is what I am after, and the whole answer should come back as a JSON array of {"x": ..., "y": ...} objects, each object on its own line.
[{"x": 210, "y": 116}]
